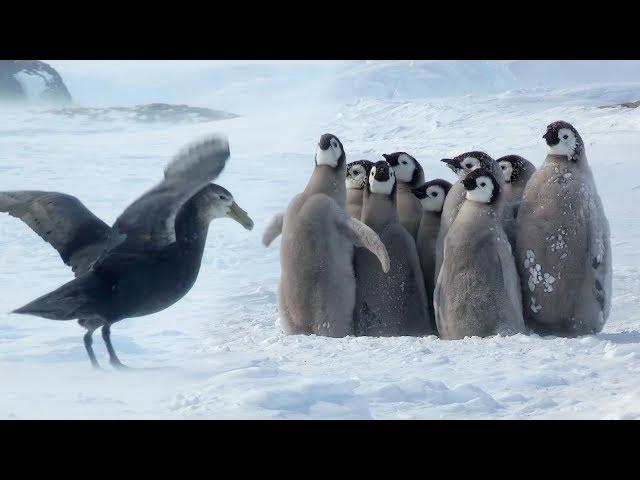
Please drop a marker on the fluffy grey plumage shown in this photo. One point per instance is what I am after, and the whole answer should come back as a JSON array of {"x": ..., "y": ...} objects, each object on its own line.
[
  {"x": 477, "y": 292},
  {"x": 393, "y": 303},
  {"x": 563, "y": 242},
  {"x": 409, "y": 175},
  {"x": 317, "y": 286},
  {"x": 355, "y": 182},
  {"x": 432, "y": 196},
  {"x": 461, "y": 166},
  {"x": 516, "y": 171}
]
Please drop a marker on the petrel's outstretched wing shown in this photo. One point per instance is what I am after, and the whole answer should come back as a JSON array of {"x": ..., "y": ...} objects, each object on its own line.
[
  {"x": 148, "y": 224},
  {"x": 63, "y": 222}
]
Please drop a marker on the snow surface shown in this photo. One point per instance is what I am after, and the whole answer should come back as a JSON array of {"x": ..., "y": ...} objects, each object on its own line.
[{"x": 221, "y": 353}]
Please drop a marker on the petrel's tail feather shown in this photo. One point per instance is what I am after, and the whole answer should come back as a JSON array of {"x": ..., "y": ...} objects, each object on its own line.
[{"x": 76, "y": 299}]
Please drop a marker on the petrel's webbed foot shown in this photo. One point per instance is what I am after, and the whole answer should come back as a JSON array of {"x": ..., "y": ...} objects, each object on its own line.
[
  {"x": 117, "y": 364},
  {"x": 113, "y": 358}
]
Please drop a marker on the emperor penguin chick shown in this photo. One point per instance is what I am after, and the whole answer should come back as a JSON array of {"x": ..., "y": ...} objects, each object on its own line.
[
  {"x": 516, "y": 172},
  {"x": 317, "y": 286},
  {"x": 355, "y": 182},
  {"x": 409, "y": 174},
  {"x": 462, "y": 165},
  {"x": 563, "y": 249},
  {"x": 477, "y": 292},
  {"x": 432, "y": 196},
  {"x": 395, "y": 303}
]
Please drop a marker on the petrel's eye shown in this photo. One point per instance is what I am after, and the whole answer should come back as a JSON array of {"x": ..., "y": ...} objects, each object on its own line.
[{"x": 565, "y": 136}]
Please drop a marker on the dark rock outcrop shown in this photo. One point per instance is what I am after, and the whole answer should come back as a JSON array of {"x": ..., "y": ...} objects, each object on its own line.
[
  {"x": 625, "y": 105},
  {"x": 150, "y": 113},
  {"x": 32, "y": 82}
]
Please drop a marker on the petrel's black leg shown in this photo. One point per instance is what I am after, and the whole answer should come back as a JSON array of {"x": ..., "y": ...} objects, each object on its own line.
[
  {"x": 90, "y": 325},
  {"x": 113, "y": 358},
  {"x": 88, "y": 342}
]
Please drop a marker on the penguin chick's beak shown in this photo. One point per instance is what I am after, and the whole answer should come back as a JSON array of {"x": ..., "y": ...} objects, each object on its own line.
[
  {"x": 382, "y": 174},
  {"x": 393, "y": 161},
  {"x": 452, "y": 164},
  {"x": 469, "y": 183},
  {"x": 419, "y": 193},
  {"x": 551, "y": 138},
  {"x": 325, "y": 142},
  {"x": 240, "y": 216}
]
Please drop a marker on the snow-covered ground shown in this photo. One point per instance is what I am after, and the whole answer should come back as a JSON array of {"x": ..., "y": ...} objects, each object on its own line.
[{"x": 221, "y": 353}]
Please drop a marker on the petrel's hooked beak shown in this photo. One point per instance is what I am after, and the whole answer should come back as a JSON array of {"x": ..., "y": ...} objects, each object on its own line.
[{"x": 240, "y": 216}]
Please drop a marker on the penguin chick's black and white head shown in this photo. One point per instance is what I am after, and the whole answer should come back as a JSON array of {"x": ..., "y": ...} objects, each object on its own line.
[
  {"x": 217, "y": 202},
  {"x": 511, "y": 166},
  {"x": 330, "y": 151},
  {"x": 563, "y": 139},
  {"x": 468, "y": 162},
  {"x": 481, "y": 186},
  {"x": 357, "y": 173},
  {"x": 432, "y": 194},
  {"x": 382, "y": 178},
  {"x": 406, "y": 167}
]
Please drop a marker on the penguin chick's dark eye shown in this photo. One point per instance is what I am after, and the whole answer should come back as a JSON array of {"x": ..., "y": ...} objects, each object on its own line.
[
  {"x": 502, "y": 167},
  {"x": 404, "y": 163},
  {"x": 483, "y": 184},
  {"x": 565, "y": 136},
  {"x": 434, "y": 194},
  {"x": 356, "y": 172},
  {"x": 468, "y": 165},
  {"x": 222, "y": 197}
]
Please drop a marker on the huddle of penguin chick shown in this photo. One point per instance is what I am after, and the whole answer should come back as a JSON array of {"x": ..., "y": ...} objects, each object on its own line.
[{"x": 506, "y": 249}]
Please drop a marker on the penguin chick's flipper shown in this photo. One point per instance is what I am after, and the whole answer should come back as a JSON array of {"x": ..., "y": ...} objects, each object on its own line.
[
  {"x": 365, "y": 237},
  {"x": 273, "y": 230}
]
